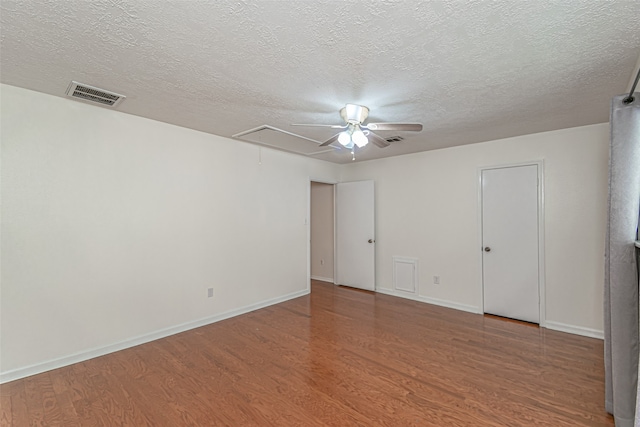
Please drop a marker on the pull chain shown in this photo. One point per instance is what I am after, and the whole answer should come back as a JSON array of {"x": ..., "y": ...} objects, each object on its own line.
[{"x": 629, "y": 99}]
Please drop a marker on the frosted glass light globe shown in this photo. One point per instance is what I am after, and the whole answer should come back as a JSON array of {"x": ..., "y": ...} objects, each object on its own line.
[
  {"x": 344, "y": 138},
  {"x": 359, "y": 138}
]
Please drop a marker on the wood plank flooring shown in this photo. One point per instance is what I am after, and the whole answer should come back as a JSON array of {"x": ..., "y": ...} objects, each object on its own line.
[{"x": 337, "y": 357}]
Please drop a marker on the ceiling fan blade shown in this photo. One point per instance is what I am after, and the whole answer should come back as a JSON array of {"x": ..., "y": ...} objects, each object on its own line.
[
  {"x": 330, "y": 140},
  {"x": 378, "y": 140},
  {"x": 411, "y": 127},
  {"x": 320, "y": 126}
]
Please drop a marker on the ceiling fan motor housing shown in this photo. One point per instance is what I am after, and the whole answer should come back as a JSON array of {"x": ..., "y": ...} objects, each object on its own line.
[{"x": 354, "y": 114}]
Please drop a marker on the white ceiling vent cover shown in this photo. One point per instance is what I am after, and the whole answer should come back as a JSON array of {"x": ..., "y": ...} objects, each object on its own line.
[{"x": 94, "y": 94}]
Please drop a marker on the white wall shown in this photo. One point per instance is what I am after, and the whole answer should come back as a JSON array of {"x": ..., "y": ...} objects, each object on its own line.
[
  {"x": 322, "y": 231},
  {"x": 114, "y": 226},
  {"x": 427, "y": 208}
]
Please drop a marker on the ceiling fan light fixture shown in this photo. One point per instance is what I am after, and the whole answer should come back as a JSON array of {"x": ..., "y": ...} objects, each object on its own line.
[
  {"x": 359, "y": 138},
  {"x": 344, "y": 138},
  {"x": 356, "y": 133},
  {"x": 354, "y": 114}
]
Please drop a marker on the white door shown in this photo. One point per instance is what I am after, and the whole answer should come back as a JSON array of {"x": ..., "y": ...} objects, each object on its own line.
[
  {"x": 355, "y": 237},
  {"x": 510, "y": 242}
]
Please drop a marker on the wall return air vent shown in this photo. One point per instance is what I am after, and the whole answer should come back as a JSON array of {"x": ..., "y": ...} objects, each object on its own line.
[{"x": 94, "y": 94}]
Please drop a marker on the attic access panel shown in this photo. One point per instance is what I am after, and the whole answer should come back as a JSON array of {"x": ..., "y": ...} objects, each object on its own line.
[{"x": 272, "y": 137}]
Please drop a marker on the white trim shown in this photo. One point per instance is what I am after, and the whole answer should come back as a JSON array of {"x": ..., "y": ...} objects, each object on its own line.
[
  {"x": 429, "y": 300},
  {"x": 555, "y": 326},
  {"x": 239, "y": 136},
  {"x": 541, "y": 245},
  {"x": 336, "y": 269},
  {"x": 577, "y": 330},
  {"x": 308, "y": 223},
  {"x": 541, "y": 233},
  {"x": 322, "y": 279},
  {"x": 142, "y": 339}
]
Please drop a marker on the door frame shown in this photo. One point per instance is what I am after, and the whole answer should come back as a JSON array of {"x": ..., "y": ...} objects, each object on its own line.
[
  {"x": 541, "y": 252},
  {"x": 308, "y": 224}
]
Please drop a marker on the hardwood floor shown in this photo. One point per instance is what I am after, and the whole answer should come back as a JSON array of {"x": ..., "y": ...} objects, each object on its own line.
[{"x": 336, "y": 357}]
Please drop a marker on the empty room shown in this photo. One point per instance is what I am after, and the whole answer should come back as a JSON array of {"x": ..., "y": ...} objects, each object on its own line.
[{"x": 310, "y": 213}]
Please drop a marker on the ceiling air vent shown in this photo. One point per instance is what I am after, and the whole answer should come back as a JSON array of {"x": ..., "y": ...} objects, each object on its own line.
[
  {"x": 94, "y": 94},
  {"x": 394, "y": 139}
]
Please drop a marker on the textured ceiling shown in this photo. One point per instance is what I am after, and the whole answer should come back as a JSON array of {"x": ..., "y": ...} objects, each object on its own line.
[{"x": 469, "y": 71}]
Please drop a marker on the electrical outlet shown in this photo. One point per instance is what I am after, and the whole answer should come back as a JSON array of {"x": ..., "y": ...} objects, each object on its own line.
[
  {"x": 436, "y": 280},
  {"x": 209, "y": 292}
]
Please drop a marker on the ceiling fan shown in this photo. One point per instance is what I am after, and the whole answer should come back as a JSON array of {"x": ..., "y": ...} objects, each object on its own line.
[{"x": 358, "y": 134}]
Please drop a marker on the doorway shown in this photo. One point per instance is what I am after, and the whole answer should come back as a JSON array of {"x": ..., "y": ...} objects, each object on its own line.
[
  {"x": 342, "y": 233},
  {"x": 511, "y": 202},
  {"x": 322, "y": 247}
]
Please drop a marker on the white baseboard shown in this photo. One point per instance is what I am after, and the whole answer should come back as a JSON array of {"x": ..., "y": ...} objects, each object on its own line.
[
  {"x": 578, "y": 330},
  {"x": 429, "y": 300},
  {"x": 322, "y": 279},
  {"x": 556, "y": 326},
  {"x": 132, "y": 342}
]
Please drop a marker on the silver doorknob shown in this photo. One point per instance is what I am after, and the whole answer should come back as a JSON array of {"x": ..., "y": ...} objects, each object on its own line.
[
  {"x": 487, "y": 249},
  {"x": 371, "y": 240}
]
